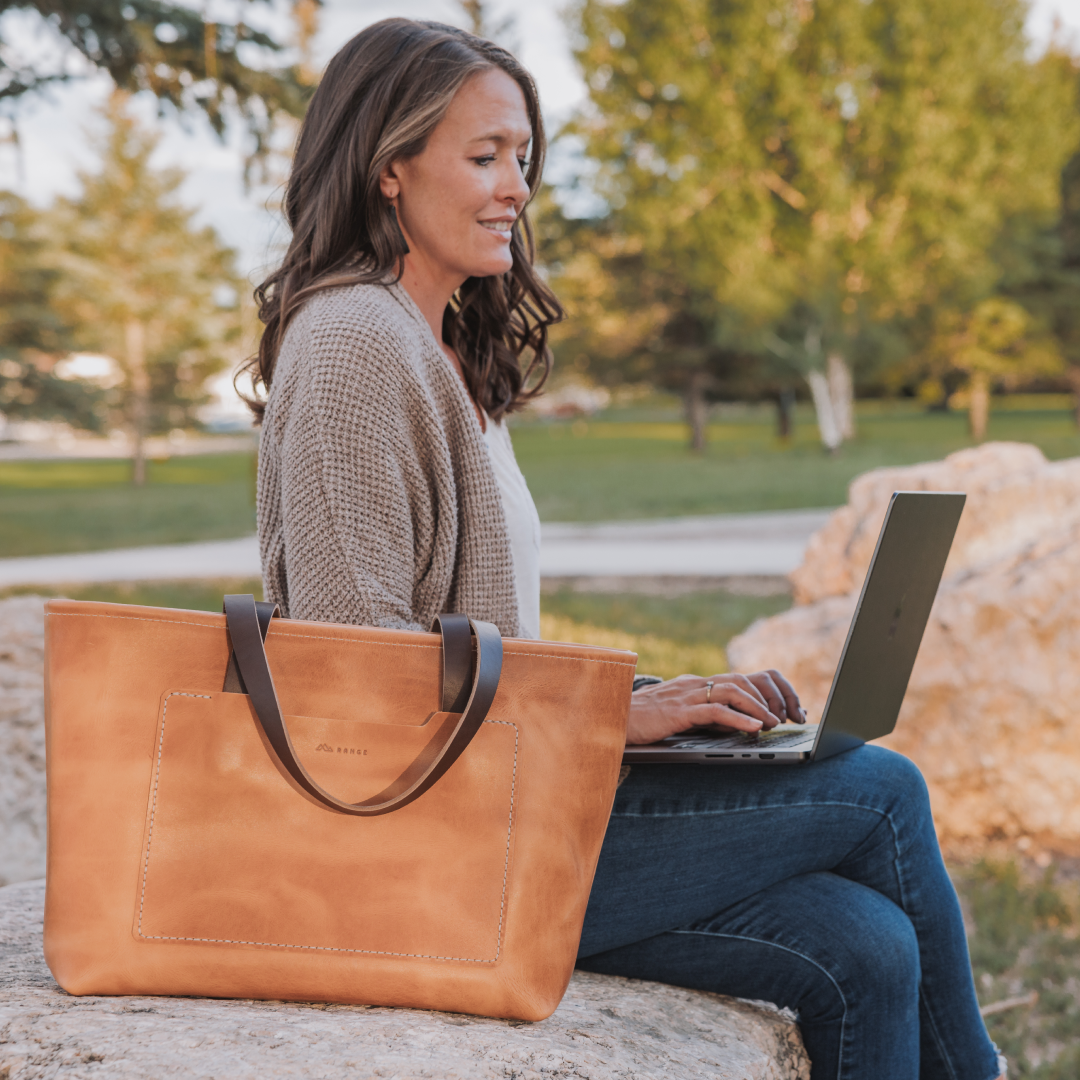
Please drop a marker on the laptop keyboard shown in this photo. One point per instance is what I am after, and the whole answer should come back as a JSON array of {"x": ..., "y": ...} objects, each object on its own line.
[{"x": 745, "y": 742}]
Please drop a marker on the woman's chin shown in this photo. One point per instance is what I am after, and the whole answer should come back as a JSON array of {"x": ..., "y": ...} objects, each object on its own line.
[{"x": 492, "y": 267}]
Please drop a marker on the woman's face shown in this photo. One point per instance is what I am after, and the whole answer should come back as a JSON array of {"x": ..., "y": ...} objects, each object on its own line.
[{"x": 458, "y": 199}]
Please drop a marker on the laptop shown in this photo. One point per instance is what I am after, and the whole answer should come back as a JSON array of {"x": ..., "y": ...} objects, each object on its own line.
[{"x": 879, "y": 653}]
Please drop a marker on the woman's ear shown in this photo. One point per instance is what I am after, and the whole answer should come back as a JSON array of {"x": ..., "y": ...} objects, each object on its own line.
[{"x": 389, "y": 184}]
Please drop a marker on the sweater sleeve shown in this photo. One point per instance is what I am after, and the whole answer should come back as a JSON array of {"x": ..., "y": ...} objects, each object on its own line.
[{"x": 358, "y": 476}]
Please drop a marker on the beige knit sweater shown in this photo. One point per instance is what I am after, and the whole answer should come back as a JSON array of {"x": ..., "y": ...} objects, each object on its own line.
[{"x": 377, "y": 503}]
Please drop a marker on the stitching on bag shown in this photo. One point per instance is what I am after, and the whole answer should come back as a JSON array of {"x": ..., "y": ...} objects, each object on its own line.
[
  {"x": 320, "y": 948},
  {"x": 130, "y": 618},
  {"x": 403, "y": 645},
  {"x": 153, "y": 801},
  {"x": 509, "y": 829},
  {"x": 319, "y": 637}
]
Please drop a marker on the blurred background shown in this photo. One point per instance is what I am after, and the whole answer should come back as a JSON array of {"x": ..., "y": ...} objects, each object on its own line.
[{"x": 797, "y": 241}]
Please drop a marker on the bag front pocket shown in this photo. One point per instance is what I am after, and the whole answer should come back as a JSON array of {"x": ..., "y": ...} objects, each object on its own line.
[{"x": 234, "y": 854}]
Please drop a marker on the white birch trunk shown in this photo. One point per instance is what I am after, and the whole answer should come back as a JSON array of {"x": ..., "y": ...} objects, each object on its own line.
[
  {"x": 842, "y": 395},
  {"x": 823, "y": 408}
]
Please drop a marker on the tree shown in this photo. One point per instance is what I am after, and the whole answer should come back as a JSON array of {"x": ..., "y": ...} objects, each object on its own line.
[
  {"x": 1040, "y": 263},
  {"x": 176, "y": 53},
  {"x": 811, "y": 180},
  {"x": 997, "y": 342},
  {"x": 137, "y": 281},
  {"x": 33, "y": 336}
]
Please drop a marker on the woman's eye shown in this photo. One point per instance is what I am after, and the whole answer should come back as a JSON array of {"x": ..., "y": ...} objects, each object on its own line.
[
  {"x": 487, "y": 159},
  {"x": 524, "y": 163}
]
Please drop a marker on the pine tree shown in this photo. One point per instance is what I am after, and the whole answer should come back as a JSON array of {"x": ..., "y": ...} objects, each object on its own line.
[
  {"x": 174, "y": 51},
  {"x": 33, "y": 336},
  {"x": 140, "y": 283}
]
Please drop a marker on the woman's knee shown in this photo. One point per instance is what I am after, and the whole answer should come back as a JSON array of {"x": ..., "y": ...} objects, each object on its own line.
[
  {"x": 866, "y": 945},
  {"x": 887, "y": 775},
  {"x": 880, "y": 966}
]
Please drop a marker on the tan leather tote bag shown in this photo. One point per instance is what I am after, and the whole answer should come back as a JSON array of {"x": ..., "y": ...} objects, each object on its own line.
[{"x": 339, "y": 813}]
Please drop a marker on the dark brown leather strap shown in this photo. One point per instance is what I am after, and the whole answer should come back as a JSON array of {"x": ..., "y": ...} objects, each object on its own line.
[
  {"x": 457, "y": 631},
  {"x": 234, "y": 684},
  {"x": 456, "y": 660}
]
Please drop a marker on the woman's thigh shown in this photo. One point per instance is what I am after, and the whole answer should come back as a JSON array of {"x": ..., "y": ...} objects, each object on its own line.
[
  {"x": 839, "y": 954},
  {"x": 686, "y": 841}
]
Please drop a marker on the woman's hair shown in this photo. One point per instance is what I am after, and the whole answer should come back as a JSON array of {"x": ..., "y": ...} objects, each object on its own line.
[{"x": 380, "y": 99}]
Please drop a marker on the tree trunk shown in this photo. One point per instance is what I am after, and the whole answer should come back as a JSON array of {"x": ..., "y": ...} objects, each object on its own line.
[
  {"x": 823, "y": 408},
  {"x": 135, "y": 342},
  {"x": 1074, "y": 382},
  {"x": 785, "y": 414},
  {"x": 978, "y": 405},
  {"x": 842, "y": 394},
  {"x": 696, "y": 409}
]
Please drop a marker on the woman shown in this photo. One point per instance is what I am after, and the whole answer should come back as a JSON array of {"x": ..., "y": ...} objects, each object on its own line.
[{"x": 388, "y": 492}]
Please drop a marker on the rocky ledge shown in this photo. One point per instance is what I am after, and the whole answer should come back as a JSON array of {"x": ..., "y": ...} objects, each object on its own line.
[{"x": 605, "y": 1028}]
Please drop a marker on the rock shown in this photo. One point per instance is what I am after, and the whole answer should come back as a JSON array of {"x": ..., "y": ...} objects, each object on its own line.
[
  {"x": 990, "y": 714},
  {"x": 999, "y": 478},
  {"x": 22, "y": 739},
  {"x": 605, "y": 1028}
]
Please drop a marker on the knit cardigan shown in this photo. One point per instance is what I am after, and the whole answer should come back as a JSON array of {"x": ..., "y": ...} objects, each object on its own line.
[{"x": 377, "y": 503}]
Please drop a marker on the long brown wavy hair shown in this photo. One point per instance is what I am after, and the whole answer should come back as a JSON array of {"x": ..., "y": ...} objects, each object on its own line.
[{"x": 380, "y": 99}]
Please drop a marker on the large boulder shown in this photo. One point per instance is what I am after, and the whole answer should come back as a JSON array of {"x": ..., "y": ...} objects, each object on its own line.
[
  {"x": 991, "y": 711},
  {"x": 22, "y": 739},
  {"x": 605, "y": 1029}
]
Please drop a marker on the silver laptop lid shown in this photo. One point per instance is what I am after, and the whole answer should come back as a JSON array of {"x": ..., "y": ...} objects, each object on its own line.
[{"x": 894, "y": 607}]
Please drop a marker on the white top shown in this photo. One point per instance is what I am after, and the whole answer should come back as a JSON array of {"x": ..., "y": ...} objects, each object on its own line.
[{"x": 522, "y": 525}]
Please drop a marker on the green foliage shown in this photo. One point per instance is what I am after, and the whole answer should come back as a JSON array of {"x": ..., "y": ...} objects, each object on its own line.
[
  {"x": 1025, "y": 939},
  {"x": 1007, "y": 912},
  {"x": 171, "y": 50},
  {"x": 137, "y": 281},
  {"x": 828, "y": 173},
  {"x": 997, "y": 341},
  {"x": 27, "y": 321},
  {"x": 31, "y": 330}
]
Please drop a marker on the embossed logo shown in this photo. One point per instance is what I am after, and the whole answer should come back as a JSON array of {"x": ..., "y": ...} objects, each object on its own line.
[{"x": 341, "y": 750}]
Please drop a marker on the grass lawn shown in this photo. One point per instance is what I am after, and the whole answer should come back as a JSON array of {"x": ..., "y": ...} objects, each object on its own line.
[
  {"x": 628, "y": 464},
  {"x": 60, "y": 506},
  {"x": 671, "y": 635},
  {"x": 609, "y": 469},
  {"x": 1023, "y": 921}
]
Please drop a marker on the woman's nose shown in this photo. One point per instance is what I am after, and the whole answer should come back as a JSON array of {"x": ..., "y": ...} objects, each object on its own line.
[{"x": 514, "y": 188}]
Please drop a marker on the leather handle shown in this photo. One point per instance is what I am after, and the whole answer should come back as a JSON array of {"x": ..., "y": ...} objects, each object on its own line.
[
  {"x": 234, "y": 683},
  {"x": 470, "y": 698}
]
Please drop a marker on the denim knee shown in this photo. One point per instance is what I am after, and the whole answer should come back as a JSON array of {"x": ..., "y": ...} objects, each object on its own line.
[
  {"x": 875, "y": 962},
  {"x": 896, "y": 777}
]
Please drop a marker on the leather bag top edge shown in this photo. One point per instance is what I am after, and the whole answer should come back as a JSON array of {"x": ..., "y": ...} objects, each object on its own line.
[{"x": 298, "y": 627}]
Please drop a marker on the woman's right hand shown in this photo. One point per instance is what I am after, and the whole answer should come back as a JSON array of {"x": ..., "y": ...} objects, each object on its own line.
[{"x": 750, "y": 703}]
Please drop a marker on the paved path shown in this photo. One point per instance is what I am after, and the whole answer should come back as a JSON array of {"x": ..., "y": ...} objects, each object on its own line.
[{"x": 720, "y": 546}]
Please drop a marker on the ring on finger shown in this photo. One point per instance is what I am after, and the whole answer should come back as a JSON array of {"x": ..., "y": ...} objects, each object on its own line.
[{"x": 708, "y": 692}]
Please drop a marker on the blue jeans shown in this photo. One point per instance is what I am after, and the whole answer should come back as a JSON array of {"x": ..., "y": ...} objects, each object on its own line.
[{"x": 819, "y": 888}]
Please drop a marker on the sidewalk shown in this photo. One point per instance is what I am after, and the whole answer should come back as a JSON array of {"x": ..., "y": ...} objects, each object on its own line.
[{"x": 726, "y": 545}]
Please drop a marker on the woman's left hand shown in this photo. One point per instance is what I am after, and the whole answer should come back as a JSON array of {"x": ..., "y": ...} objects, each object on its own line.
[{"x": 729, "y": 702}]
